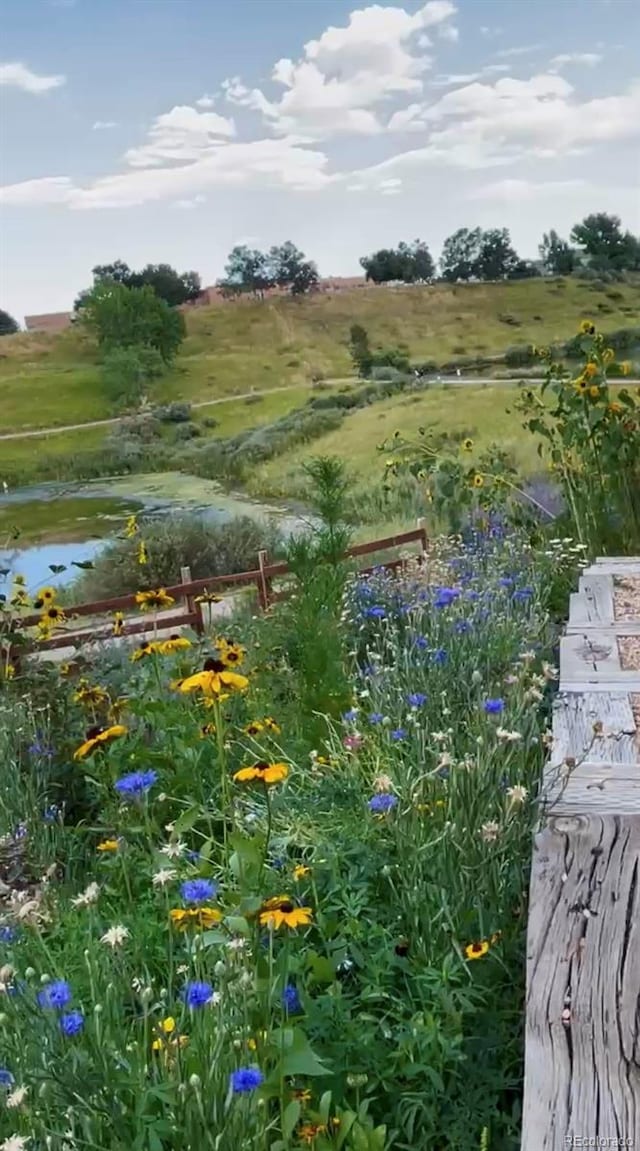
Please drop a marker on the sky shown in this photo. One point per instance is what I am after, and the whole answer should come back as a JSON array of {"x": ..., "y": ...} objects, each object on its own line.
[{"x": 171, "y": 130}]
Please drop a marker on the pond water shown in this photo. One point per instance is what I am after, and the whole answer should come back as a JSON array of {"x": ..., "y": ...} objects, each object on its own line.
[{"x": 73, "y": 522}]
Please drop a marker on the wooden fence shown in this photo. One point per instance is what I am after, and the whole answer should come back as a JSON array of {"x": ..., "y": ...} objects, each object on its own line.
[
  {"x": 582, "y": 1064},
  {"x": 187, "y": 592}
]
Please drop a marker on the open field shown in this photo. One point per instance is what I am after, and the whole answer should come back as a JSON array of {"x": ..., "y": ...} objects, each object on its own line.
[{"x": 54, "y": 380}]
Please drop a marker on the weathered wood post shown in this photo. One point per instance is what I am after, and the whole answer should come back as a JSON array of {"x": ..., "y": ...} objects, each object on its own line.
[
  {"x": 582, "y": 1064},
  {"x": 264, "y": 584},
  {"x": 185, "y": 578}
]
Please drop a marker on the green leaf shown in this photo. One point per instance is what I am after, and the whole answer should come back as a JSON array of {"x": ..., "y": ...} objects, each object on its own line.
[
  {"x": 300, "y": 1059},
  {"x": 84, "y": 565},
  {"x": 186, "y": 820},
  {"x": 322, "y": 969},
  {"x": 290, "y": 1118},
  {"x": 57, "y": 568},
  {"x": 324, "y": 1108},
  {"x": 347, "y": 1120},
  {"x": 237, "y": 925}
]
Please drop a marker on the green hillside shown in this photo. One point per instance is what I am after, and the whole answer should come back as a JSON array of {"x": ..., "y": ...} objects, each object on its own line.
[{"x": 233, "y": 348}]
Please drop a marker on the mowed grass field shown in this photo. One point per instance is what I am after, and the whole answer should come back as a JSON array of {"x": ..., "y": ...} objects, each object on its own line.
[{"x": 48, "y": 381}]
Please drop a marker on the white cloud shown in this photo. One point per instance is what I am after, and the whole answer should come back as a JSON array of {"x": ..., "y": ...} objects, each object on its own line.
[
  {"x": 181, "y": 134},
  {"x": 521, "y": 51},
  {"x": 522, "y": 191},
  {"x": 17, "y": 75},
  {"x": 205, "y": 101},
  {"x": 390, "y": 187},
  {"x": 449, "y": 32},
  {"x": 491, "y": 69},
  {"x": 343, "y": 77},
  {"x": 188, "y": 204},
  {"x": 103, "y": 125},
  {"x": 590, "y": 59},
  {"x": 454, "y": 78},
  {"x": 46, "y": 190}
]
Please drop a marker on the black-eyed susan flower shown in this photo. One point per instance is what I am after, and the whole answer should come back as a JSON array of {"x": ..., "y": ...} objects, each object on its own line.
[
  {"x": 478, "y": 481},
  {"x": 98, "y": 737},
  {"x": 309, "y": 1132},
  {"x": 467, "y": 445},
  {"x": 231, "y": 654},
  {"x": 213, "y": 680},
  {"x": 118, "y": 623},
  {"x": 207, "y": 729},
  {"x": 208, "y": 597},
  {"x": 302, "y": 1094},
  {"x": 174, "y": 643},
  {"x": 477, "y": 949},
  {"x": 587, "y": 328},
  {"x": 91, "y": 695},
  {"x": 580, "y": 384},
  {"x": 267, "y": 773},
  {"x": 282, "y": 912},
  {"x": 199, "y": 918},
  {"x": 45, "y": 596},
  {"x": 271, "y": 725},
  {"x": 254, "y": 728},
  {"x": 155, "y": 600},
  {"x": 300, "y": 871},
  {"x": 143, "y": 649},
  {"x": 52, "y": 616},
  {"x": 594, "y": 391}
]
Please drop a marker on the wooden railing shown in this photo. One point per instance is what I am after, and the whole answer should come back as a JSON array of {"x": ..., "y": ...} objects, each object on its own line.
[{"x": 188, "y": 591}]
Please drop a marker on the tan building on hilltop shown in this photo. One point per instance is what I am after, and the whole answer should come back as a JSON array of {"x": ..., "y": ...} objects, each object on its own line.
[{"x": 48, "y": 322}]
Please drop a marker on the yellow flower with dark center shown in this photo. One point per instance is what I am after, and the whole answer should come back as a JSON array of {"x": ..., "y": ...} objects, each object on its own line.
[
  {"x": 19, "y": 598},
  {"x": 108, "y": 845},
  {"x": 302, "y": 1094},
  {"x": 207, "y": 729},
  {"x": 131, "y": 528},
  {"x": 213, "y": 679},
  {"x": 587, "y": 328},
  {"x": 145, "y": 648},
  {"x": 300, "y": 870},
  {"x": 590, "y": 370},
  {"x": 52, "y": 616},
  {"x": 118, "y": 623},
  {"x": 231, "y": 654},
  {"x": 282, "y": 912},
  {"x": 478, "y": 480},
  {"x": 271, "y": 725},
  {"x": 90, "y": 694},
  {"x": 98, "y": 737},
  {"x": 467, "y": 445},
  {"x": 594, "y": 391},
  {"x": 580, "y": 384},
  {"x": 267, "y": 773},
  {"x": 254, "y": 728},
  {"x": 45, "y": 596},
  {"x": 477, "y": 950},
  {"x": 208, "y": 597},
  {"x": 142, "y": 554},
  {"x": 198, "y": 917},
  {"x": 174, "y": 643},
  {"x": 155, "y": 600}
]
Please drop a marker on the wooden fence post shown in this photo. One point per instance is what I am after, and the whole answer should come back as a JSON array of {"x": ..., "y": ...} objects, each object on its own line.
[
  {"x": 185, "y": 577},
  {"x": 263, "y": 583},
  {"x": 422, "y": 527}
]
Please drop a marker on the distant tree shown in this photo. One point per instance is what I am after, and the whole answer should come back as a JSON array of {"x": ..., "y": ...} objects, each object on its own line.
[
  {"x": 360, "y": 350},
  {"x": 122, "y": 317},
  {"x": 291, "y": 269},
  {"x": 523, "y": 270},
  {"x": 497, "y": 258},
  {"x": 461, "y": 254},
  {"x": 127, "y": 372},
  {"x": 7, "y": 324},
  {"x": 247, "y": 270},
  {"x": 557, "y": 255},
  {"x": 174, "y": 287},
  {"x": 605, "y": 246},
  {"x": 408, "y": 264}
]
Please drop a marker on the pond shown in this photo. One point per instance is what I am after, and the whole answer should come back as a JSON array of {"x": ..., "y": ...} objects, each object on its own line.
[{"x": 68, "y": 524}]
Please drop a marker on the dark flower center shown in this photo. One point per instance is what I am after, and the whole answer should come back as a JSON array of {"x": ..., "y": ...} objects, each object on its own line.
[{"x": 213, "y": 665}]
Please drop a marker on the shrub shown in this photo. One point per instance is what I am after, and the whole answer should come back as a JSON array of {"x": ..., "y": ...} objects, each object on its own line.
[
  {"x": 507, "y": 318},
  {"x": 209, "y": 549},
  {"x": 188, "y": 431},
  {"x": 126, "y": 371},
  {"x": 520, "y": 356},
  {"x": 176, "y": 412}
]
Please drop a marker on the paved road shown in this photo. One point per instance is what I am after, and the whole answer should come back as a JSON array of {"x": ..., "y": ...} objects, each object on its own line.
[{"x": 450, "y": 381}]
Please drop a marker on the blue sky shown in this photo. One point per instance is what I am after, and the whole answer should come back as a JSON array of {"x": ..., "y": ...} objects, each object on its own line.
[{"x": 169, "y": 130}]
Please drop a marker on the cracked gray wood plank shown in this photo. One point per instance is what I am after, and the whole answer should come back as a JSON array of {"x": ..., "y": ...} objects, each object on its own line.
[
  {"x": 582, "y": 1078},
  {"x": 593, "y": 789},
  {"x": 574, "y": 717}
]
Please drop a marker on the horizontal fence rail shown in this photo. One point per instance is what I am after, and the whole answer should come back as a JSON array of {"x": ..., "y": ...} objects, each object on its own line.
[{"x": 189, "y": 590}]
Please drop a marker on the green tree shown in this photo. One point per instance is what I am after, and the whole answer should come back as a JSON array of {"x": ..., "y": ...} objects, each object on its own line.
[
  {"x": 605, "y": 246},
  {"x": 461, "y": 254},
  {"x": 497, "y": 259},
  {"x": 291, "y": 269},
  {"x": 122, "y": 317},
  {"x": 557, "y": 255},
  {"x": 408, "y": 264},
  {"x": 7, "y": 324},
  {"x": 126, "y": 372},
  {"x": 360, "y": 350},
  {"x": 174, "y": 287},
  {"x": 247, "y": 271}
]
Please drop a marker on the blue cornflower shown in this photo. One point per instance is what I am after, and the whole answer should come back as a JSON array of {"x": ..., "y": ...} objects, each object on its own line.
[
  {"x": 416, "y": 699},
  {"x": 462, "y": 626},
  {"x": 136, "y": 783},
  {"x": 446, "y": 596},
  {"x": 522, "y": 594},
  {"x": 381, "y": 804},
  {"x": 440, "y": 655},
  {"x": 6, "y": 1078},
  {"x": 197, "y": 994},
  {"x": 398, "y": 733},
  {"x": 421, "y": 641},
  {"x": 376, "y": 717},
  {"x": 350, "y": 715},
  {"x": 375, "y": 612},
  {"x": 291, "y": 999},
  {"x": 193, "y": 856},
  {"x": 72, "y": 1023},
  {"x": 198, "y": 890},
  {"x": 55, "y": 995},
  {"x": 246, "y": 1079},
  {"x": 493, "y": 706},
  {"x": 505, "y": 581},
  {"x": 38, "y": 747},
  {"x": 51, "y": 813},
  {"x": 7, "y": 933},
  {"x": 21, "y": 831}
]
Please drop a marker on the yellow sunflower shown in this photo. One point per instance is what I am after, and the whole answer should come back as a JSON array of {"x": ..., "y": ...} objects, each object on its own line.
[
  {"x": 174, "y": 643},
  {"x": 45, "y": 596},
  {"x": 118, "y": 623},
  {"x": 590, "y": 370},
  {"x": 271, "y": 725},
  {"x": 580, "y": 384},
  {"x": 254, "y": 728},
  {"x": 231, "y": 654},
  {"x": 477, "y": 950},
  {"x": 587, "y": 328},
  {"x": 267, "y": 773},
  {"x": 594, "y": 391},
  {"x": 213, "y": 680},
  {"x": 144, "y": 649},
  {"x": 478, "y": 481},
  {"x": 199, "y": 917},
  {"x": 282, "y": 912},
  {"x": 131, "y": 528},
  {"x": 143, "y": 558},
  {"x": 154, "y": 600},
  {"x": 97, "y": 737},
  {"x": 208, "y": 597},
  {"x": 615, "y": 407},
  {"x": 52, "y": 616},
  {"x": 467, "y": 445}
]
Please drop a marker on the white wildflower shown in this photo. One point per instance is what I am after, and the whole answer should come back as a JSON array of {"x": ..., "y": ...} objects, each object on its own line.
[
  {"x": 182, "y": 968},
  {"x": 490, "y": 831},
  {"x": 115, "y": 936},
  {"x": 534, "y": 695},
  {"x": 173, "y": 850},
  {"x": 549, "y": 671},
  {"x": 445, "y": 759},
  {"x": 383, "y": 783},
  {"x": 17, "y": 1097},
  {"x": 15, "y": 1143},
  {"x": 517, "y": 794},
  {"x": 164, "y": 876},
  {"x": 215, "y": 999},
  {"x": 508, "y": 736},
  {"x": 89, "y": 895},
  {"x": 237, "y": 944}
]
